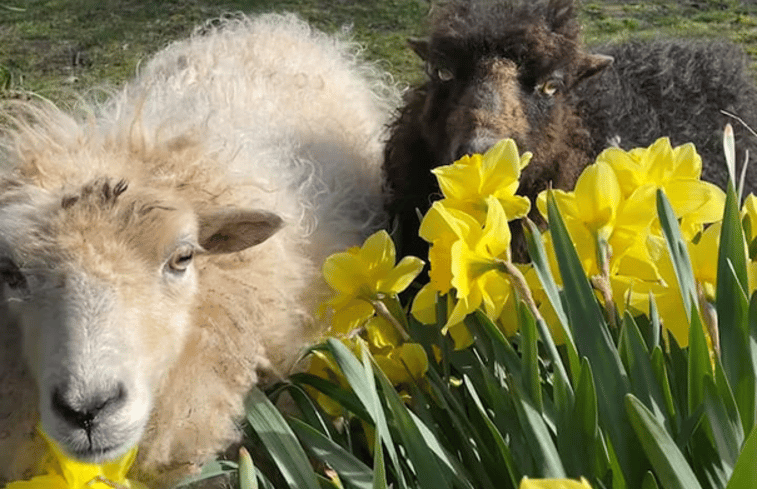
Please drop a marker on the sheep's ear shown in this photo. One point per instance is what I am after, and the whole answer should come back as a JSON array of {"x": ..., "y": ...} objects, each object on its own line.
[
  {"x": 420, "y": 46},
  {"x": 589, "y": 65},
  {"x": 230, "y": 230},
  {"x": 561, "y": 16}
]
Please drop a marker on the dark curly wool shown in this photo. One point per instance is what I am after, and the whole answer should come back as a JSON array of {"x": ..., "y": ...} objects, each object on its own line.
[
  {"x": 518, "y": 69},
  {"x": 674, "y": 88}
]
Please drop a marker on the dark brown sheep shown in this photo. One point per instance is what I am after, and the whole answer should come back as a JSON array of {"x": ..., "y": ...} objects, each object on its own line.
[{"x": 518, "y": 69}]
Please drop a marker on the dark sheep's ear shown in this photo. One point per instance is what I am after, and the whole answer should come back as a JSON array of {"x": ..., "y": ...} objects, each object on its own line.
[
  {"x": 420, "y": 46},
  {"x": 561, "y": 16},
  {"x": 589, "y": 65},
  {"x": 232, "y": 229}
]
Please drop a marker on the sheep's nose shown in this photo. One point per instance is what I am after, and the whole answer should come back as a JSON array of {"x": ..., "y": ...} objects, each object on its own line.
[
  {"x": 480, "y": 141},
  {"x": 82, "y": 411},
  {"x": 474, "y": 146}
]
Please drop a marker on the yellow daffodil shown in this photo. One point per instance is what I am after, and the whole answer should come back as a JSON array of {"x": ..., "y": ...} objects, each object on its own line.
[
  {"x": 424, "y": 310},
  {"x": 596, "y": 214},
  {"x": 61, "y": 472},
  {"x": 527, "y": 483},
  {"x": 323, "y": 366},
  {"x": 704, "y": 261},
  {"x": 424, "y": 305},
  {"x": 361, "y": 278},
  {"x": 381, "y": 333},
  {"x": 476, "y": 270},
  {"x": 441, "y": 227},
  {"x": 614, "y": 205},
  {"x": 467, "y": 253},
  {"x": 597, "y": 199},
  {"x": 675, "y": 170},
  {"x": 467, "y": 183},
  {"x": 404, "y": 364},
  {"x": 660, "y": 164},
  {"x": 362, "y": 275},
  {"x": 634, "y": 291},
  {"x": 749, "y": 218}
]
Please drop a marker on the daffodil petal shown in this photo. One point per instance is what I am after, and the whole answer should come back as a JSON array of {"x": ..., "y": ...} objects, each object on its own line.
[
  {"x": 393, "y": 369},
  {"x": 377, "y": 253},
  {"x": 381, "y": 334},
  {"x": 598, "y": 196},
  {"x": 462, "y": 308},
  {"x": 441, "y": 221},
  {"x": 351, "y": 316},
  {"x": 460, "y": 180},
  {"x": 424, "y": 305},
  {"x": 500, "y": 167},
  {"x": 495, "y": 291},
  {"x": 460, "y": 335},
  {"x": 687, "y": 162},
  {"x": 515, "y": 206},
  {"x": 496, "y": 236},
  {"x": 658, "y": 161},
  {"x": 527, "y": 483},
  {"x": 695, "y": 199},
  {"x": 401, "y": 276},
  {"x": 703, "y": 254},
  {"x": 631, "y": 173},
  {"x": 749, "y": 211},
  {"x": 566, "y": 203},
  {"x": 440, "y": 261},
  {"x": 343, "y": 272},
  {"x": 413, "y": 357}
]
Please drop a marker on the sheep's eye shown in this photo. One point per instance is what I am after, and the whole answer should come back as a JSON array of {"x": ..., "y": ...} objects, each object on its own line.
[
  {"x": 181, "y": 259},
  {"x": 549, "y": 87},
  {"x": 444, "y": 74},
  {"x": 11, "y": 274}
]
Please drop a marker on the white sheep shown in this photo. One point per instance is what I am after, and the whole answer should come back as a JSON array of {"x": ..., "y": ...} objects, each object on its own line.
[{"x": 161, "y": 255}]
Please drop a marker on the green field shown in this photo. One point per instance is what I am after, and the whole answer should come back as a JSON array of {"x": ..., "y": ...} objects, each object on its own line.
[{"x": 61, "y": 47}]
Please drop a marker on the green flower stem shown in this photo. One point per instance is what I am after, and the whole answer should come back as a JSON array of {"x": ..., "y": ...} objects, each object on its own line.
[
  {"x": 601, "y": 282},
  {"x": 518, "y": 281},
  {"x": 710, "y": 318},
  {"x": 383, "y": 311}
]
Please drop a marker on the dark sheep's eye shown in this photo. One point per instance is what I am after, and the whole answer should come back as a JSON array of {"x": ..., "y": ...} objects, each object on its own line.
[
  {"x": 549, "y": 87},
  {"x": 441, "y": 74},
  {"x": 181, "y": 259},
  {"x": 11, "y": 274},
  {"x": 444, "y": 74}
]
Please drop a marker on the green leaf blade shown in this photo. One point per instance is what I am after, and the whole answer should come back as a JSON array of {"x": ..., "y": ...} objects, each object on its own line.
[
  {"x": 280, "y": 441},
  {"x": 670, "y": 466}
]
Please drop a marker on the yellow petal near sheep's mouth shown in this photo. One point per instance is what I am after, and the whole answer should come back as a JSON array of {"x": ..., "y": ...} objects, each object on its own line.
[{"x": 58, "y": 471}]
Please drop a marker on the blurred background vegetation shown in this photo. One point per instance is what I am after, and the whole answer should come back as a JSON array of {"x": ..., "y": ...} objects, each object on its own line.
[{"x": 59, "y": 47}]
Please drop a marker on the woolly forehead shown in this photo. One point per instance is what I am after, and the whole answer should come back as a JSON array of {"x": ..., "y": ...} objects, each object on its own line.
[
  {"x": 103, "y": 225},
  {"x": 537, "y": 36}
]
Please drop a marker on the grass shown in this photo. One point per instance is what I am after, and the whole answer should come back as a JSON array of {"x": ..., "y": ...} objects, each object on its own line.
[{"x": 59, "y": 47}]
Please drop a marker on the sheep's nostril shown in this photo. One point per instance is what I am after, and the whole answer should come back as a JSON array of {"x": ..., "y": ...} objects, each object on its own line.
[
  {"x": 476, "y": 145},
  {"x": 82, "y": 411},
  {"x": 462, "y": 151}
]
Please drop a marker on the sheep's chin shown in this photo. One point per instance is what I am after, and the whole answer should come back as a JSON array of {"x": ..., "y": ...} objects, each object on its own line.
[{"x": 102, "y": 455}]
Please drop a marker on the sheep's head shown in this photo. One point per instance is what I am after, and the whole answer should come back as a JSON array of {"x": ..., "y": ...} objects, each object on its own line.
[
  {"x": 102, "y": 282},
  {"x": 499, "y": 70}
]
